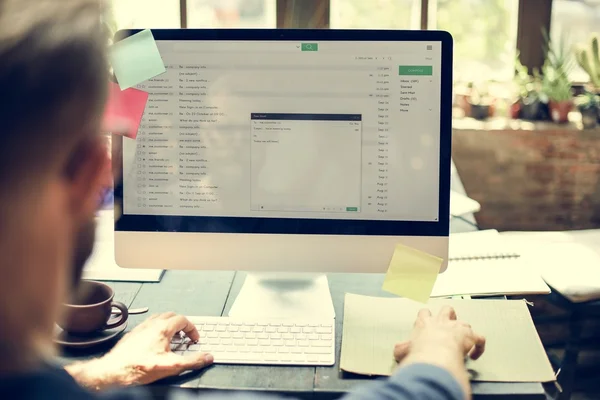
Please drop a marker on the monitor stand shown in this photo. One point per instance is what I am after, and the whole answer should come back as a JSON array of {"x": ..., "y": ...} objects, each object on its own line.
[{"x": 284, "y": 295}]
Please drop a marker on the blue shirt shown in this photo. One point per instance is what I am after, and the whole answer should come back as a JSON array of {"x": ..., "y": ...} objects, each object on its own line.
[{"x": 416, "y": 381}]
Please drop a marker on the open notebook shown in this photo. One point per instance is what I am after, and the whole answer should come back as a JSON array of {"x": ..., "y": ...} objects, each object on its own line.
[
  {"x": 514, "y": 352},
  {"x": 481, "y": 263}
]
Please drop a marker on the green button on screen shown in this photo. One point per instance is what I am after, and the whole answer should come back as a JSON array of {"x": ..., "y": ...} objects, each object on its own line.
[
  {"x": 310, "y": 46},
  {"x": 352, "y": 209},
  {"x": 415, "y": 70}
]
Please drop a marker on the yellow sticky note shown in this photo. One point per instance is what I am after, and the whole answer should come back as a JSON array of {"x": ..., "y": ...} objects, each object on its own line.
[{"x": 412, "y": 273}]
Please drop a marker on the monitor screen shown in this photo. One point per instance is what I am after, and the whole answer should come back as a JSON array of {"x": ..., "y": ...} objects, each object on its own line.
[{"x": 247, "y": 131}]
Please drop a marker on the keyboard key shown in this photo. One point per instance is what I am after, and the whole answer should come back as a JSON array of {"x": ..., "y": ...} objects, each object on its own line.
[
  {"x": 295, "y": 330},
  {"x": 300, "y": 324},
  {"x": 290, "y": 343},
  {"x": 283, "y": 350},
  {"x": 194, "y": 347},
  {"x": 262, "y": 323},
  {"x": 233, "y": 328},
  {"x": 238, "y": 342},
  {"x": 221, "y": 328},
  {"x": 287, "y": 324},
  {"x": 312, "y": 358},
  {"x": 212, "y": 335},
  {"x": 225, "y": 335},
  {"x": 214, "y": 341},
  {"x": 270, "y": 329},
  {"x": 327, "y": 336},
  {"x": 326, "y": 359},
  {"x": 262, "y": 336},
  {"x": 251, "y": 342},
  {"x": 237, "y": 335},
  {"x": 226, "y": 341},
  {"x": 301, "y": 336},
  {"x": 235, "y": 323},
  {"x": 313, "y": 325},
  {"x": 317, "y": 350},
  {"x": 250, "y": 335},
  {"x": 303, "y": 343},
  {"x": 276, "y": 342},
  {"x": 296, "y": 350},
  {"x": 283, "y": 329},
  {"x": 274, "y": 323},
  {"x": 264, "y": 342},
  {"x": 322, "y": 329},
  {"x": 308, "y": 330},
  {"x": 321, "y": 343},
  {"x": 208, "y": 328},
  {"x": 245, "y": 328},
  {"x": 275, "y": 336},
  {"x": 269, "y": 350},
  {"x": 313, "y": 336},
  {"x": 287, "y": 336},
  {"x": 258, "y": 329}
]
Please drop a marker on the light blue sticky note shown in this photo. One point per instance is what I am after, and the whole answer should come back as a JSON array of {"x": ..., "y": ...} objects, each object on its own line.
[{"x": 136, "y": 59}]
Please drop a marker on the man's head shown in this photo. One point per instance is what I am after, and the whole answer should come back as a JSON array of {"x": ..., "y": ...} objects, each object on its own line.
[{"x": 53, "y": 77}]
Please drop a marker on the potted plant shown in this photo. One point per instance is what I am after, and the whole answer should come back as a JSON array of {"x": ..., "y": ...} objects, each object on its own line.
[
  {"x": 527, "y": 104},
  {"x": 588, "y": 104},
  {"x": 556, "y": 85},
  {"x": 480, "y": 102},
  {"x": 588, "y": 58}
]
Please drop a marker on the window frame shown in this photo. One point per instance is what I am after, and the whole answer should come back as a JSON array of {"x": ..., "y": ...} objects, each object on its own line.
[{"x": 533, "y": 17}]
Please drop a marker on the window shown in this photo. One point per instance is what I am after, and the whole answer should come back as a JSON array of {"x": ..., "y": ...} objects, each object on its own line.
[
  {"x": 375, "y": 14},
  {"x": 576, "y": 20},
  {"x": 145, "y": 13},
  {"x": 231, "y": 13},
  {"x": 485, "y": 42}
]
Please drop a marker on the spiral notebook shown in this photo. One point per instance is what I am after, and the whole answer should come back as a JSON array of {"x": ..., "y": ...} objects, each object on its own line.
[
  {"x": 482, "y": 263},
  {"x": 480, "y": 245}
]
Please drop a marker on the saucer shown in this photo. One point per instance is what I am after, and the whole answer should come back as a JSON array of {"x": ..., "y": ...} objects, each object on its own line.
[{"x": 84, "y": 341}]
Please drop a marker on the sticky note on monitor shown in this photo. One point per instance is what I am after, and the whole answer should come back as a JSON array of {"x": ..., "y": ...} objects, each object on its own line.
[
  {"x": 136, "y": 59},
  {"x": 412, "y": 273},
  {"x": 124, "y": 110}
]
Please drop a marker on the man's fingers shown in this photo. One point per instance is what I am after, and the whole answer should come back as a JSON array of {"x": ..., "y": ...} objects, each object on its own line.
[
  {"x": 166, "y": 315},
  {"x": 447, "y": 313},
  {"x": 194, "y": 360},
  {"x": 423, "y": 315},
  {"x": 180, "y": 323},
  {"x": 401, "y": 350},
  {"x": 478, "y": 348}
]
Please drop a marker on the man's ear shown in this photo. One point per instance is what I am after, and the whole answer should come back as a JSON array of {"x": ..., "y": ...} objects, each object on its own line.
[{"x": 86, "y": 174}]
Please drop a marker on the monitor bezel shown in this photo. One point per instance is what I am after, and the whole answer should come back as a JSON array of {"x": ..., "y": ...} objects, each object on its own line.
[{"x": 304, "y": 226}]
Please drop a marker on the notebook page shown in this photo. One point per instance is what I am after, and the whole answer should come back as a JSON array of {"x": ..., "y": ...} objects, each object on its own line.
[{"x": 514, "y": 352}]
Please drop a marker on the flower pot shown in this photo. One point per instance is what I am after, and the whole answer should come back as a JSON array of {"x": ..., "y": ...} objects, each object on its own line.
[
  {"x": 514, "y": 110},
  {"x": 530, "y": 109},
  {"x": 559, "y": 110},
  {"x": 480, "y": 111},
  {"x": 589, "y": 117}
]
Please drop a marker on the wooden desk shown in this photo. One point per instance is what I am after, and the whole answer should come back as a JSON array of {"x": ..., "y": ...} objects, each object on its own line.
[{"x": 213, "y": 293}]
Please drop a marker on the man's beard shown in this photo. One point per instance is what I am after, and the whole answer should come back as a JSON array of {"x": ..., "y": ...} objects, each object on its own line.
[{"x": 83, "y": 247}]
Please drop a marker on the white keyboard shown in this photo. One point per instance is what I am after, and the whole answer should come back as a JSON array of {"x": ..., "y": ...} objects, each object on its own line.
[{"x": 268, "y": 342}]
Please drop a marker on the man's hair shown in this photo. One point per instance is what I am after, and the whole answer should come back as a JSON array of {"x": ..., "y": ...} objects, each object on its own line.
[{"x": 53, "y": 78}]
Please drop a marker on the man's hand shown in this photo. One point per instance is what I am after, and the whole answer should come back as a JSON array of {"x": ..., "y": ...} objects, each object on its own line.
[
  {"x": 142, "y": 356},
  {"x": 442, "y": 341}
]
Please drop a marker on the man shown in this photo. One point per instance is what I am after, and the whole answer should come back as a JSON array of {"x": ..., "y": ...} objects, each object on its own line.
[{"x": 53, "y": 75}]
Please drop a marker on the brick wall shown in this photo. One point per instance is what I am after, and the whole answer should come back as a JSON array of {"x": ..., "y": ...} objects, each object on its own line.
[{"x": 530, "y": 176}]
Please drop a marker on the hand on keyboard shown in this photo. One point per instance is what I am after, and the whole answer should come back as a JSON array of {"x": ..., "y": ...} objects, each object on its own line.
[
  {"x": 144, "y": 355},
  {"x": 259, "y": 341}
]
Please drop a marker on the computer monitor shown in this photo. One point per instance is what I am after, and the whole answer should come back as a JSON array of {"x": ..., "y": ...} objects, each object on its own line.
[{"x": 289, "y": 150}]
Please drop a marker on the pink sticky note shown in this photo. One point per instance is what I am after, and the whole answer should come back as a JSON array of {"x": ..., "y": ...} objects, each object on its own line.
[{"x": 124, "y": 110}]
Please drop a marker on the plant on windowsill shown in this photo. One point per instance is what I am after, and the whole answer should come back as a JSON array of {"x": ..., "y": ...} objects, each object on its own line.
[
  {"x": 556, "y": 85},
  {"x": 528, "y": 103},
  {"x": 588, "y": 58},
  {"x": 480, "y": 102},
  {"x": 588, "y": 104}
]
